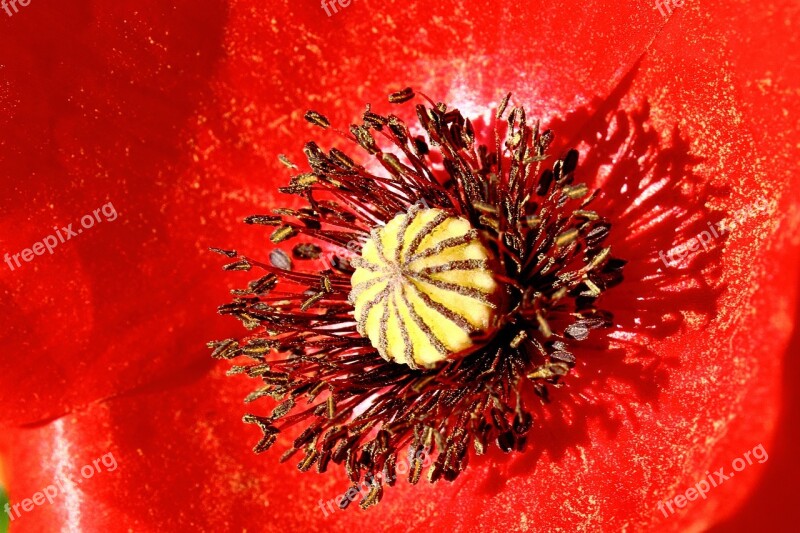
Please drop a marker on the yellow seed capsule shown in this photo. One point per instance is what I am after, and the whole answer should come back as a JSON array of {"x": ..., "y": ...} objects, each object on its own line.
[{"x": 423, "y": 288}]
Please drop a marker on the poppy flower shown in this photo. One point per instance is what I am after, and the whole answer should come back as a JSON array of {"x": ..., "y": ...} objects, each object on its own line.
[{"x": 170, "y": 119}]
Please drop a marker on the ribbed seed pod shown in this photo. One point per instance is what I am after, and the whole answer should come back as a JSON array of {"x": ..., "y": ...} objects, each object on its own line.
[{"x": 424, "y": 288}]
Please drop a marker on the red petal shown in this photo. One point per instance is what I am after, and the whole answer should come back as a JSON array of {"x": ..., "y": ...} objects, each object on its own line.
[
  {"x": 176, "y": 119},
  {"x": 152, "y": 115}
]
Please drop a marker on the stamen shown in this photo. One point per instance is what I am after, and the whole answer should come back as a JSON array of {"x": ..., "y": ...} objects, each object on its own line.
[{"x": 427, "y": 323}]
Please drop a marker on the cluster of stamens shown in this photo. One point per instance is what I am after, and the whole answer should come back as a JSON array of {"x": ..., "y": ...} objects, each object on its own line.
[{"x": 419, "y": 341}]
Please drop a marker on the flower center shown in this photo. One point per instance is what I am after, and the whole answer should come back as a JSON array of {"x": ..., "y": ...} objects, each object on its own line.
[
  {"x": 490, "y": 288},
  {"x": 423, "y": 289}
]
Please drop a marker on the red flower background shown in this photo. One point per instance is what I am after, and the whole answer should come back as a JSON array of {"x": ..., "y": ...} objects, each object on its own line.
[{"x": 176, "y": 112}]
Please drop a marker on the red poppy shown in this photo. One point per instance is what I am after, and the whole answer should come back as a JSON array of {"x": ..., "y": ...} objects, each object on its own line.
[{"x": 175, "y": 115}]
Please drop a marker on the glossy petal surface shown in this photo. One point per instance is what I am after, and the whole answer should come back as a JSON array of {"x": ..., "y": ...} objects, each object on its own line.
[{"x": 176, "y": 113}]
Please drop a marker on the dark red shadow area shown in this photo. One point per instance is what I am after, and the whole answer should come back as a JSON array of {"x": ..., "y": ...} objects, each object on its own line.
[{"x": 654, "y": 200}]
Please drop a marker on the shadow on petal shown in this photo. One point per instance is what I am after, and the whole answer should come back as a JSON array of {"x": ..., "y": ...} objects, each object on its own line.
[{"x": 655, "y": 200}]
